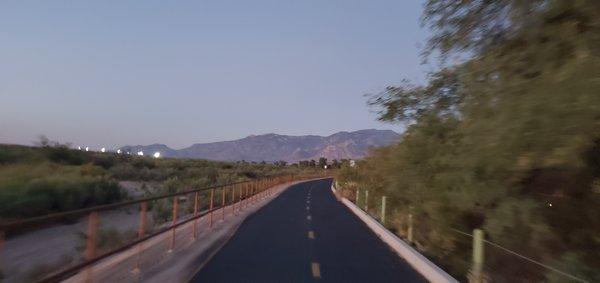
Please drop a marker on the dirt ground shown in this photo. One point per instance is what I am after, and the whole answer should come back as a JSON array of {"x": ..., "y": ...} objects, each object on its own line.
[{"x": 29, "y": 256}]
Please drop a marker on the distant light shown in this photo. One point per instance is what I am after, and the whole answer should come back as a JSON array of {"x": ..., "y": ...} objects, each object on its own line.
[
  {"x": 118, "y": 151},
  {"x": 103, "y": 149},
  {"x": 325, "y": 166},
  {"x": 550, "y": 204},
  {"x": 87, "y": 148},
  {"x": 140, "y": 153},
  {"x": 156, "y": 154},
  {"x": 79, "y": 148},
  {"x": 129, "y": 152}
]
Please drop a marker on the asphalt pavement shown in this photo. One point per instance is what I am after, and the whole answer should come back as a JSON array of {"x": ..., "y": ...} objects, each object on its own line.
[{"x": 306, "y": 235}]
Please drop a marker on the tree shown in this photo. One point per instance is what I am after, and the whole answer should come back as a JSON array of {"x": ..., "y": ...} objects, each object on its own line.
[
  {"x": 322, "y": 162},
  {"x": 280, "y": 163},
  {"x": 505, "y": 126},
  {"x": 335, "y": 164}
]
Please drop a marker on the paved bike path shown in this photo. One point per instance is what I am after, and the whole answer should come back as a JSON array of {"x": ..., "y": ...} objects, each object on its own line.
[{"x": 306, "y": 235}]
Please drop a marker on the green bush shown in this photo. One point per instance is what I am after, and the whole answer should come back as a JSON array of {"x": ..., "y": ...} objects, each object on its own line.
[
  {"x": 27, "y": 190},
  {"x": 52, "y": 178}
]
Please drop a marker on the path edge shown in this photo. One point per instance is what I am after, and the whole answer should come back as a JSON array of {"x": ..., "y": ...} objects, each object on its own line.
[
  {"x": 216, "y": 247},
  {"x": 420, "y": 263}
]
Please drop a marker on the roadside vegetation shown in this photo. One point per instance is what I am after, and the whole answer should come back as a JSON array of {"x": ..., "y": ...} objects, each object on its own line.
[
  {"x": 52, "y": 177},
  {"x": 504, "y": 137}
]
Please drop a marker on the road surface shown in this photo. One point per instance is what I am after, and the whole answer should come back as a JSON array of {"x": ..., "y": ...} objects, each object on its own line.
[{"x": 306, "y": 235}]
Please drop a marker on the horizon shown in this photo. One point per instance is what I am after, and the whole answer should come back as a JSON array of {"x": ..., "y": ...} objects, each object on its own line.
[
  {"x": 109, "y": 74},
  {"x": 74, "y": 146},
  {"x": 258, "y": 135}
]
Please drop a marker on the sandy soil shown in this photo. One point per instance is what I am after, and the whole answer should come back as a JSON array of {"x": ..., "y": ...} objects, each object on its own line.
[{"x": 48, "y": 247}]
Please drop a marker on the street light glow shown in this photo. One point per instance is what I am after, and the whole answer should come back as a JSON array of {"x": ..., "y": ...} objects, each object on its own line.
[
  {"x": 87, "y": 148},
  {"x": 103, "y": 149},
  {"x": 140, "y": 153},
  {"x": 156, "y": 154},
  {"x": 118, "y": 151}
]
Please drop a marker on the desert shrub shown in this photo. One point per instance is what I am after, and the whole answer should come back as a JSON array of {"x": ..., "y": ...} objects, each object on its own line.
[
  {"x": 107, "y": 239},
  {"x": 105, "y": 161},
  {"x": 39, "y": 271},
  {"x": 62, "y": 154},
  {"x": 27, "y": 190}
]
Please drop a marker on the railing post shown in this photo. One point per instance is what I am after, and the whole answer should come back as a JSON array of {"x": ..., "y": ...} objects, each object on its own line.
[
  {"x": 143, "y": 215},
  {"x": 476, "y": 274},
  {"x": 196, "y": 208},
  {"x": 273, "y": 184},
  {"x": 90, "y": 249},
  {"x": 249, "y": 191},
  {"x": 257, "y": 191},
  {"x": 410, "y": 227},
  {"x": 223, "y": 204},
  {"x": 1, "y": 242},
  {"x": 367, "y": 201},
  {"x": 252, "y": 192},
  {"x": 261, "y": 191},
  {"x": 241, "y": 196},
  {"x": 383, "y": 200},
  {"x": 141, "y": 233},
  {"x": 247, "y": 194},
  {"x": 173, "y": 230},
  {"x": 357, "y": 196},
  {"x": 242, "y": 188},
  {"x": 233, "y": 199},
  {"x": 210, "y": 208}
]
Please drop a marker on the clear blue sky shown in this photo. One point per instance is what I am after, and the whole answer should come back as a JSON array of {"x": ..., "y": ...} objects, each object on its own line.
[{"x": 110, "y": 73}]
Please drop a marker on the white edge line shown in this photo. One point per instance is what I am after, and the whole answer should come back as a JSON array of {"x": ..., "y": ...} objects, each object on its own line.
[{"x": 420, "y": 263}]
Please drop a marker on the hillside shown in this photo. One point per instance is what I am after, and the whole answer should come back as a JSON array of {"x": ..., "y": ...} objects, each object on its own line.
[{"x": 273, "y": 147}]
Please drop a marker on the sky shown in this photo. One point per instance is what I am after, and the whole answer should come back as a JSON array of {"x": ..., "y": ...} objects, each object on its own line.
[{"x": 112, "y": 73}]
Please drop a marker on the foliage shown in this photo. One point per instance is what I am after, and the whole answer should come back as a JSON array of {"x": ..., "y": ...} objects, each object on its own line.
[
  {"x": 28, "y": 190},
  {"x": 505, "y": 138},
  {"x": 52, "y": 177}
]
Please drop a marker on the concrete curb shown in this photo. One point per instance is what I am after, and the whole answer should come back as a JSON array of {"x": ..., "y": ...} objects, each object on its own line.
[{"x": 421, "y": 264}]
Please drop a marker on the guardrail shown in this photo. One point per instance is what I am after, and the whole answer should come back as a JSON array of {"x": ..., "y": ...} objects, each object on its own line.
[{"x": 185, "y": 207}]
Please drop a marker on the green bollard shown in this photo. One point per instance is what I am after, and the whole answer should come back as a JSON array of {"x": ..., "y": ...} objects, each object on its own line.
[{"x": 476, "y": 274}]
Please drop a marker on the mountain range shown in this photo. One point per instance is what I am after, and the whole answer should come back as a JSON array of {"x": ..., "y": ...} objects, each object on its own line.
[{"x": 274, "y": 147}]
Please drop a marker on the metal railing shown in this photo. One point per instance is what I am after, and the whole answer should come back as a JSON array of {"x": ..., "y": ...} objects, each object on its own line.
[{"x": 211, "y": 202}]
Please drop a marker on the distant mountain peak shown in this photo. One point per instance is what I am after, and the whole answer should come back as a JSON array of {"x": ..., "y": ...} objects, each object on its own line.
[{"x": 273, "y": 147}]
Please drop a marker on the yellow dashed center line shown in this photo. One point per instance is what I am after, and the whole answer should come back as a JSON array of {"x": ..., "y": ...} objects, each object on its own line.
[
  {"x": 316, "y": 270},
  {"x": 311, "y": 235}
]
